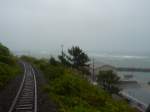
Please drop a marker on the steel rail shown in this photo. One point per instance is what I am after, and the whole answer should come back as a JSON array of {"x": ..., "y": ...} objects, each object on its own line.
[{"x": 26, "y": 98}]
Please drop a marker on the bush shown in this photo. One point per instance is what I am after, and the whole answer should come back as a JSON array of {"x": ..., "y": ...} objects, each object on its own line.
[
  {"x": 8, "y": 66},
  {"x": 4, "y": 51},
  {"x": 7, "y": 60},
  {"x": 53, "y": 61},
  {"x": 51, "y": 71},
  {"x": 72, "y": 93},
  {"x": 7, "y": 73},
  {"x": 108, "y": 80}
]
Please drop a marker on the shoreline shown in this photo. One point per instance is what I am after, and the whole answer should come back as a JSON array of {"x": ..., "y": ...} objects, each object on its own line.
[{"x": 134, "y": 102}]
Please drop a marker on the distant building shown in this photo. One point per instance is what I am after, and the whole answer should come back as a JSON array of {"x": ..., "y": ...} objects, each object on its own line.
[
  {"x": 105, "y": 68},
  {"x": 101, "y": 68}
]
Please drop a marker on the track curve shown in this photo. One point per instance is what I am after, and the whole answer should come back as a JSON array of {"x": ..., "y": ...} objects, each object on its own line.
[{"x": 26, "y": 98}]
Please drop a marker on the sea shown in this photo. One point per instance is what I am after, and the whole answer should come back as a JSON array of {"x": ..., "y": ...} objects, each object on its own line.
[{"x": 139, "y": 91}]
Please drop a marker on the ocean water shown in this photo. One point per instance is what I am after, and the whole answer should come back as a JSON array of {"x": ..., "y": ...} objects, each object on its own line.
[
  {"x": 122, "y": 60},
  {"x": 141, "y": 91}
]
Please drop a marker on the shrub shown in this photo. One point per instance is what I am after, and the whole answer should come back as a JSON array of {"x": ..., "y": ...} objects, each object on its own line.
[
  {"x": 72, "y": 93},
  {"x": 7, "y": 73},
  {"x": 52, "y": 72},
  {"x": 7, "y": 60},
  {"x": 8, "y": 66},
  {"x": 4, "y": 50}
]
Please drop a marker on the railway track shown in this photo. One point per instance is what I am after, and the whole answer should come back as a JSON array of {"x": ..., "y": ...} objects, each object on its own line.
[{"x": 26, "y": 98}]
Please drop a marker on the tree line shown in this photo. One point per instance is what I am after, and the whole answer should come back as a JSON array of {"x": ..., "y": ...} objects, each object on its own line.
[{"x": 78, "y": 59}]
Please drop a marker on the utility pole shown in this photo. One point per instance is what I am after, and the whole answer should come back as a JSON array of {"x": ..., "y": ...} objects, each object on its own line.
[{"x": 62, "y": 46}]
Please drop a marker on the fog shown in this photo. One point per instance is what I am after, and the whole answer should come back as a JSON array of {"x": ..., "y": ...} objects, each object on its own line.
[{"x": 94, "y": 25}]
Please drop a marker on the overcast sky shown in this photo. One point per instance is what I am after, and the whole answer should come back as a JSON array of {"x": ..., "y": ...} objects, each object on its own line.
[{"x": 95, "y": 25}]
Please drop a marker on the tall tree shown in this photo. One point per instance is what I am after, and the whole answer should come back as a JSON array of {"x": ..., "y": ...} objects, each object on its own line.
[{"x": 77, "y": 57}]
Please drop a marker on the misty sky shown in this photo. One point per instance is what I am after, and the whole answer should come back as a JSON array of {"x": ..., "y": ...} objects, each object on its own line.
[{"x": 95, "y": 25}]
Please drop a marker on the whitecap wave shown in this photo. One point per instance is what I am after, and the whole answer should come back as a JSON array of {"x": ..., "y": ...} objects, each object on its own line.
[{"x": 119, "y": 56}]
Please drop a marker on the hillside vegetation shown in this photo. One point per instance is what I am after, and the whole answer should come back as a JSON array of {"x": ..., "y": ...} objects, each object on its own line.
[
  {"x": 8, "y": 66},
  {"x": 72, "y": 93}
]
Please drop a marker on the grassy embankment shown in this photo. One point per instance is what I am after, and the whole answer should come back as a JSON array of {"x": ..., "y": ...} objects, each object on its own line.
[
  {"x": 8, "y": 66},
  {"x": 67, "y": 88}
]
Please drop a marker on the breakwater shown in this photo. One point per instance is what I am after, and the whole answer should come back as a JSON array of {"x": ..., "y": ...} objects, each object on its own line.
[{"x": 132, "y": 69}]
